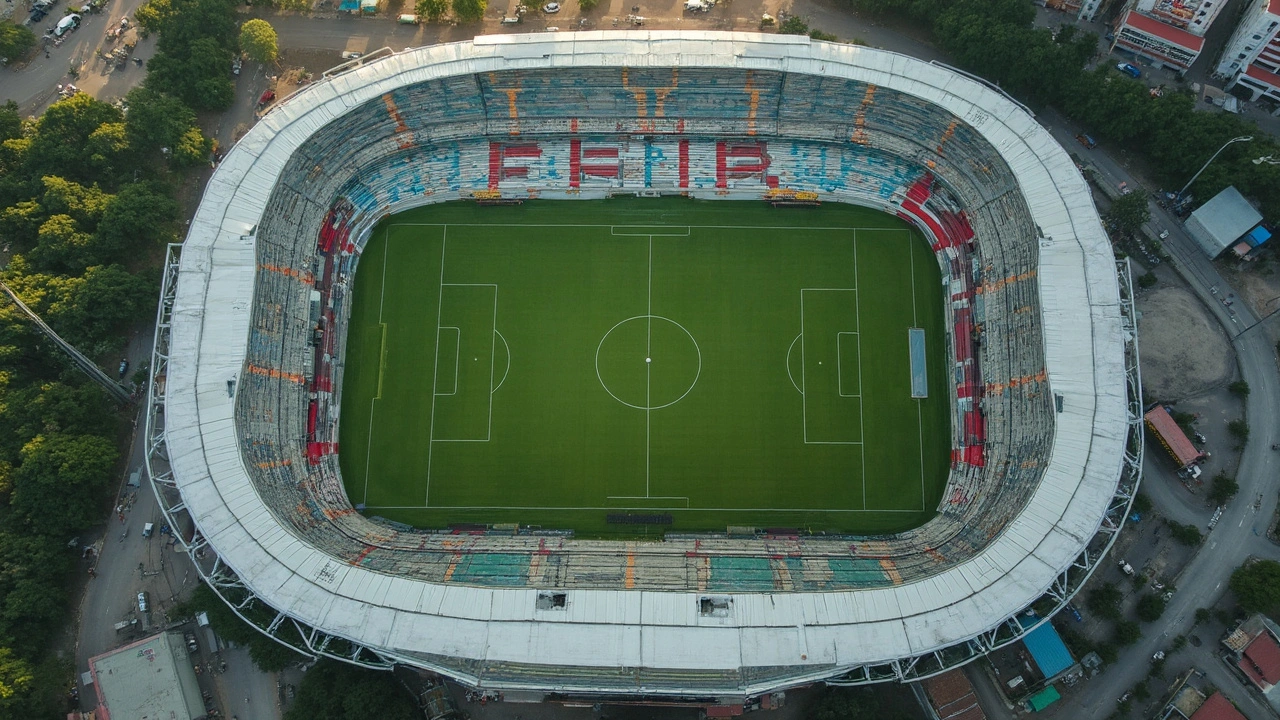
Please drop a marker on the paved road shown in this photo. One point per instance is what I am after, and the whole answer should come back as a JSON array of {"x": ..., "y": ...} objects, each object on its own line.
[{"x": 1239, "y": 533}]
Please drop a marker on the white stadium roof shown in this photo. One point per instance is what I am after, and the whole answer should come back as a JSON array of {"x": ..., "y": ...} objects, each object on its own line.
[{"x": 408, "y": 618}]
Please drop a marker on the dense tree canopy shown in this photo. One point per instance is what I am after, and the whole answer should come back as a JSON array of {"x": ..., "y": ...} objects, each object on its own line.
[
  {"x": 197, "y": 42},
  {"x": 433, "y": 10},
  {"x": 258, "y": 41},
  {"x": 15, "y": 40},
  {"x": 1257, "y": 586},
  {"x": 1128, "y": 213},
  {"x": 469, "y": 10},
  {"x": 338, "y": 691}
]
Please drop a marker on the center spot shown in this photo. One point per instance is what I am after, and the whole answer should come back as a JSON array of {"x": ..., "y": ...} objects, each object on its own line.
[{"x": 660, "y": 383}]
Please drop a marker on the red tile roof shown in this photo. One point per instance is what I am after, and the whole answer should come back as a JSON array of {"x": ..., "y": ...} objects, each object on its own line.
[
  {"x": 1263, "y": 76},
  {"x": 1151, "y": 26},
  {"x": 952, "y": 697},
  {"x": 1217, "y": 707},
  {"x": 1261, "y": 661}
]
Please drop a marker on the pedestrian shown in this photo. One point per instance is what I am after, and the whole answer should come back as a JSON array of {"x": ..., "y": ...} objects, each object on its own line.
[
  {"x": 122, "y": 518},
  {"x": 46, "y": 54}
]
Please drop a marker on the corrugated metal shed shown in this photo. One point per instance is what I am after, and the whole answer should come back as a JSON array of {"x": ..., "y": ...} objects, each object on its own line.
[
  {"x": 1048, "y": 650},
  {"x": 1222, "y": 221}
]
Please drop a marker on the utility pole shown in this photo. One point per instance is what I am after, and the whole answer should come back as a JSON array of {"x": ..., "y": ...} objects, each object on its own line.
[{"x": 86, "y": 366}]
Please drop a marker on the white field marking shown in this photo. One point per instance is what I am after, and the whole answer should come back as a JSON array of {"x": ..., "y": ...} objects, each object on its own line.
[
  {"x": 920, "y": 440},
  {"x": 508, "y": 347},
  {"x": 648, "y": 367},
  {"x": 444, "y": 241},
  {"x": 488, "y": 433},
  {"x": 596, "y": 225},
  {"x": 840, "y": 367},
  {"x": 790, "y": 348},
  {"x": 911, "y": 250},
  {"x": 382, "y": 298},
  {"x": 613, "y": 230},
  {"x": 697, "y": 348},
  {"x": 862, "y": 420},
  {"x": 457, "y": 356},
  {"x": 590, "y": 508},
  {"x": 804, "y": 387},
  {"x": 650, "y": 497}
]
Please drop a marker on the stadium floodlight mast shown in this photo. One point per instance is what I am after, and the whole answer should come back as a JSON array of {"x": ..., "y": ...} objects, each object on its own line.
[{"x": 1242, "y": 138}]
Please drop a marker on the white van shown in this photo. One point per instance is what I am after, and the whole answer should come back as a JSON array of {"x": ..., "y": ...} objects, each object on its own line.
[{"x": 66, "y": 25}]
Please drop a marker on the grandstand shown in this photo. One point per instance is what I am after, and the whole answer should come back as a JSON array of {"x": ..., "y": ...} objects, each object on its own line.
[{"x": 1046, "y": 436}]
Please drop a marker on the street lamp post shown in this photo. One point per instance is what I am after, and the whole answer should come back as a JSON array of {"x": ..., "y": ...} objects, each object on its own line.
[{"x": 1242, "y": 138}]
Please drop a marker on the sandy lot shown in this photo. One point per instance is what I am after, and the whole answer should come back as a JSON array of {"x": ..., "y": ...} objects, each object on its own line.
[{"x": 1184, "y": 352}]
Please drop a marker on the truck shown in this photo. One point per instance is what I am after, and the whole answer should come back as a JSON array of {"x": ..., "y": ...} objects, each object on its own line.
[{"x": 1185, "y": 454}]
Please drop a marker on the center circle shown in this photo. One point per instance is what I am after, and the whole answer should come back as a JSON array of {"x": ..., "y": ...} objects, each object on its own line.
[{"x": 648, "y": 362}]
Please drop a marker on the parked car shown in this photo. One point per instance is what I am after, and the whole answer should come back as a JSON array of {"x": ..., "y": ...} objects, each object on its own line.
[
  {"x": 38, "y": 14},
  {"x": 143, "y": 605},
  {"x": 551, "y": 8},
  {"x": 1087, "y": 141},
  {"x": 1129, "y": 69},
  {"x": 351, "y": 55},
  {"x": 191, "y": 642},
  {"x": 66, "y": 25},
  {"x": 235, "y": 66}
]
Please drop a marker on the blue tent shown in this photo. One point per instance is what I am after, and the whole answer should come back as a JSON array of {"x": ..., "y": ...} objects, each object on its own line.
[
  {"x": 1048, "y": 650},
  {"x": 1257, "y": 236}
]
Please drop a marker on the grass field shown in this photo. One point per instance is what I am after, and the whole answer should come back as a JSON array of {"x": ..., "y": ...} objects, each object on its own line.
[{"x": 727, "y": 363}]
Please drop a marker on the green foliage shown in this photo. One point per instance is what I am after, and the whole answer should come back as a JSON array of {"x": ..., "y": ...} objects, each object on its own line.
[
  {"x": 258, "y": 41},
  {"x": 15, "y": 41},
  {"x": 435, "y": 10},
  {"x": 1223, "y": 489},
  {"x": 62, "y": 135},
  {"x": 1150, "y": 607},
  {"x": 1104, "y": 601},
  {"x": 1127, "y": 632},
  {"x": 587, "y": 5},
  {"x": 1148, "y": 280},
  {"x": 1109, "y": 652},
  {"x": 58, "y": 487},
  {"x": 852, "y": 703},
  {"x": 469, "y": 10},
  {"x": 1202, "y": 615},
  {"x": 194, "y": 52},
  {"x": 1179, "y": 642},
  {"x": 1142, "y": 504},
  {"x": 1129, "y": 212},
  {"x": 1239, "y": 429},
  {"x": 817, "y": 34},
  {"x": 338, "y": 691},
  {"x": 267, "y": 654},
  {"x": 1141, "y": 692},
  {"x": 1188, "y": 535},
  {"x": 793, "y": 25},
  {"x": 1239, "y": 388},
  {"x": 1256, "y": 585},
  {"x": 156, "y": 120}
]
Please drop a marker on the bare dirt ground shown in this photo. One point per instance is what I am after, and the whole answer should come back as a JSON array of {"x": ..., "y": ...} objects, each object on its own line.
[
  {"x": 1258, "y": 283},
  {"x": 1184, "y": 352}
]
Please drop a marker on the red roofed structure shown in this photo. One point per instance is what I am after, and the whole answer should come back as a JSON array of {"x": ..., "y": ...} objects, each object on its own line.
[
  {"x": 952, "y": 697},
  {"x": 1157, "y": 41},
  {"x": 1172, "y": 437},
  {"x": 1218, "y": 707},
  {"x": 1261, "y": 661}
]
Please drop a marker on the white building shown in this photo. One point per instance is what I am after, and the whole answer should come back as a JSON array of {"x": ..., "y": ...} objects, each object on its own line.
[
  {"x": 1252, "y": 56},
  {"x": 1166, "y": 32}
]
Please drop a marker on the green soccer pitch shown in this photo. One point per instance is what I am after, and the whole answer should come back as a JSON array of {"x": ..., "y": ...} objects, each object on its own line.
[{"x": 726, "y": 363}]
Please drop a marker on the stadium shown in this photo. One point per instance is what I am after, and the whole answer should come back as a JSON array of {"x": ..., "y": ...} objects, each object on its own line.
[{"x": 265, "y": 324}]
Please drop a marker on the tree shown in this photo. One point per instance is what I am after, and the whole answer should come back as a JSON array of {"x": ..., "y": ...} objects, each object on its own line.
[
  {"x": 1188, "y": 535},
  {"x": 84, "y": 204},
  {"x": 1257, "y": 586},
  {"x": 1150, "y": 607},
  {"x": 15, "y": 679},
  {"x": 1202, "y": 615},
  {"x": 61, "y": 246},
  {"x": 1127, "y": 633},
  {"x": 62, "y": 134},
  {"x": 156, "y": 120},
  {"x": 860, "y": 703},
  {"x": 1222, "y": 489},
  {"x": 58, "y": 487},
  {"x": 258, "y": 41},
  {"x": 337, "y": 691},
  {"x": 15, "y": 40},
  {"x": 1142, "y": 504},
  {"x": 1239, "y": 429},
  {"x": 1104, "y": 601},
  {"x": 433, "y": 10},
  {"x": 200, "y": 76},
  {"x": 1239, "y": 388},
  {"x": 1148, "y": 280},
  {"x": 138, "y": 219},
  {"x": 1129, "y": 212},
  {"x": 793, "y": 25},
  {"x": 469, "y": 10}
]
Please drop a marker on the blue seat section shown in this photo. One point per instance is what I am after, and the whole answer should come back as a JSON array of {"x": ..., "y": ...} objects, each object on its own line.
[{"x": 594, "y": 131}]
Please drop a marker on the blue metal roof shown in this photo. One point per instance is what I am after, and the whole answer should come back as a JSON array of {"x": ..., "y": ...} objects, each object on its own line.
[
  {"x": 1048, "y": 650},
  {"x": 1258, "y": 236}
]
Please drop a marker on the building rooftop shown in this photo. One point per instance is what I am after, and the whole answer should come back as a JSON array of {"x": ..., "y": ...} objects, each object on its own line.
[
  {"x": 1048, "y": 650},
  {"x": 151, "y": 678},
  {"x": 952, "y": 697},
  {"x": 1219, "y": 223},
  {"x": 1261, "y": 661},
  {"x": 1218, "y": 707},
  {"x": 1164, "y": 31}
]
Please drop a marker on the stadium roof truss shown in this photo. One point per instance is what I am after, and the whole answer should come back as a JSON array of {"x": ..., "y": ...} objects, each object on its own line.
[{"x": 277, "y": 579}]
